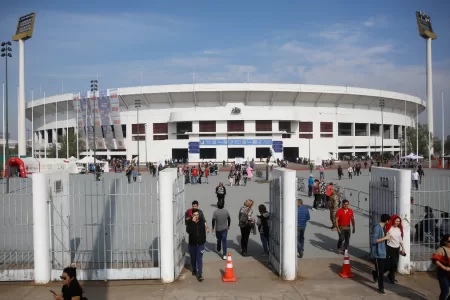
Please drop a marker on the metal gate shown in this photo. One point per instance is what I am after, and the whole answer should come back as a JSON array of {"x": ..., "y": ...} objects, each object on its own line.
[
  {"x": 109, "y": 229},
  {"x": 179, "y": 237},
  {"x": 382, "y": 198},
  {"x": 275, "y": 223},
  {"x": 16, "y": 230}
]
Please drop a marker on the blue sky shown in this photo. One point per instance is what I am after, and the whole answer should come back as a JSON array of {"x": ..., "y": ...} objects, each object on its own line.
[{"x": 373, "y": 44}]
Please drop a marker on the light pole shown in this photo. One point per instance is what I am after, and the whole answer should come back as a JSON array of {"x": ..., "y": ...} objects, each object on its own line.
[
  {"x": 94, "y": 89},
  {"x": 381, "y": 102},
  {"x": 6, "y": 52},
  {"x": 146, "y": 161},
  {"x": 137, "y": 104}
]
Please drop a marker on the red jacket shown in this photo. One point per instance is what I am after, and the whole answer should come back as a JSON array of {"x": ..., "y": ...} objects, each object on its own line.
[{"x": 194, "y": 172}]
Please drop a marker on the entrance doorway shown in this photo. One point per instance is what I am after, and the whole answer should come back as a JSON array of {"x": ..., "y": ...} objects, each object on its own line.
[
  {"x": 208, "y": 153},
  {"x": 180, "y": 153},
  {"x": 290, "y": 153},
  {"x": 264, "y": 152},
  {"x": 235, "y": 152}
]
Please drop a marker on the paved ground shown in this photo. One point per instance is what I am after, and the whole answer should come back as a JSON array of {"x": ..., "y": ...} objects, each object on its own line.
[{"x": 318, "y": 282}]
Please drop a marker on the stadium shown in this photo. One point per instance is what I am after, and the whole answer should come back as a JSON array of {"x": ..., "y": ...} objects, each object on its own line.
[{"x": 226, "y": 121}]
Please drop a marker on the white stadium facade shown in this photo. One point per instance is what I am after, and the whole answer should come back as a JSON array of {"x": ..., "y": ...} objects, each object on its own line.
[{"x": 224, "y": 121}]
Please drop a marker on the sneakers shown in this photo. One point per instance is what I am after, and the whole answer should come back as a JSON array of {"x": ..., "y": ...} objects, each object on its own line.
[
  {"x": 313, "y": 209},
  {"x": 381, "y": 292},
  {"x": 300, "y": 254},
  {"x": 200, "y": 278},
  {"x": 224, "y": 257}
]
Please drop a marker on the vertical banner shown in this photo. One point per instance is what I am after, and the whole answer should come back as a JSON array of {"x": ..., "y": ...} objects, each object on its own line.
[
  {"x": 105, "y": 118},
  {"x": 115, "y": 118},
  {"x": 87, "y": 115},
  {"x": 99, "y": 143},
  {"x": 80, "y": 121}
]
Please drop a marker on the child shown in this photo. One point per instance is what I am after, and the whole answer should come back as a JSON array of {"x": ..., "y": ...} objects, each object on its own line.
[{"x": 134, "y": 175}]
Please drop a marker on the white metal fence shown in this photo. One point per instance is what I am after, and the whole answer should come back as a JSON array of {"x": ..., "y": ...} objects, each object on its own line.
[
  {"x": 179, "y": 224},
  {"x": 276, "y": 215},
  {"x": 430, "y": 209},
  {"x": 16, "y": 231}
]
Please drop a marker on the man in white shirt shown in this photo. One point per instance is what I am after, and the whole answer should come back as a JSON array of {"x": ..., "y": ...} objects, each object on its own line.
[{"x": 415, "y": 179}]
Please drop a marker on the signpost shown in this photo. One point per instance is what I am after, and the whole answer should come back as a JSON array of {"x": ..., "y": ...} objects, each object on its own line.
[{"x": 24, "y": 31}]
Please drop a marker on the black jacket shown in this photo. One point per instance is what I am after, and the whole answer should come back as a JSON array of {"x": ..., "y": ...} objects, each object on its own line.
[
  {"x": 224, "y": 191},
  {"x": 197, "y": 232}
]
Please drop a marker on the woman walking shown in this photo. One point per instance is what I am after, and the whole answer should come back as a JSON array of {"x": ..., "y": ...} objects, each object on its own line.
[
  {"x": 246, "y": 223},
  {"x": 394, "y": 245},
  {"x": 71, "y": 289},
  {"x": 440, "y": 259}
]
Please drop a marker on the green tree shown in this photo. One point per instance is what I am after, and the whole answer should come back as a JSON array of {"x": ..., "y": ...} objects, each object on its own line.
[
  {"x": 411, "y": 140},
  {"x": 63, "y": 145}
]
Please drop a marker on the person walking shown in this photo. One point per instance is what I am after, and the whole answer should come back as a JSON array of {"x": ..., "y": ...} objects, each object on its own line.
[
  {"x": 221, "y": 191},
  {"x": 221, "y": 224},
  {"x": 421, "y": 173},
  {"x": 246, "y": 223},
  {"x": 441, "y": 259},
  {"x": 340, "y": 172},
  {"x": 302, "y": 218},
  {"x": 344, "y": 216},
  {"x": 310, "y": 184},
  {"x": 197, "y": 230},
  {"x": 350, "y": 172},
  {"x": 263, "y": 227},
  {"x": 415, "y": 180},
  {"x": 333, "y": 205},
  {"x": 378, "y": 251},
  {"x": 71, "y": 287},
  {"x": 316, "y": 192},
  {"x": 395, "y": 246}
]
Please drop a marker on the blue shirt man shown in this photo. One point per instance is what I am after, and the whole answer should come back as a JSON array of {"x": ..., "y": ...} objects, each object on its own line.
[
  {"x": 302, "y": 218},
  {"x": 378, "y": 250},
  {"x": 310, "y": 184}
]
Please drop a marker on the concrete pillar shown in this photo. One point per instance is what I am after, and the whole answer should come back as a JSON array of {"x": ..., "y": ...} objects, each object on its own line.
[
  {"x": 166, "y": 226},
  {"x": 353, "y": 129},
  {"x": 289, "y": 225},
  {"x": 41, "y": 233}
]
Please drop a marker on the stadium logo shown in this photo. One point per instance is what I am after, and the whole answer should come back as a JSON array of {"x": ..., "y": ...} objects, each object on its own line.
[{"x": 236, "y": 111}]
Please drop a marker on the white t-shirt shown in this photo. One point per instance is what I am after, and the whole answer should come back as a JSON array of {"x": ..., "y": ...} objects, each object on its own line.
[
  {"x": 396, "y": 237},
  {"x": 415, "y": 176}
]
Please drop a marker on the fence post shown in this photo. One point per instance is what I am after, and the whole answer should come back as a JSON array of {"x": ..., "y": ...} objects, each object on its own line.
[
  {"x": 289, "y": 246},
  {"x": 41, "y": 233},
  {"x": 404, "y": 211},
  {"x": 166, "y": 229}
]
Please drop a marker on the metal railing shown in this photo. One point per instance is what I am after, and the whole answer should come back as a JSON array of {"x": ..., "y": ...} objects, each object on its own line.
[
  {"x": 16, "y": 229},
  {"x": 430, "y": 209},
  {"x": 113, "y": 224}
]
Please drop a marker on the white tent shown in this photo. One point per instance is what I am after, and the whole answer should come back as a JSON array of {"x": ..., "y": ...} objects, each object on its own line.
[
  {"x": 412, "y": 156},
  {"x": 72, "y": 158},
  {"x": 86, "y": 160}
]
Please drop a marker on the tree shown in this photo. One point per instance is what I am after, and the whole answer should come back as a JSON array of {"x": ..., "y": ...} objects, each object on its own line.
[
  {"x": 411, "y": 140},
  {"x": 62, "y": 145}
]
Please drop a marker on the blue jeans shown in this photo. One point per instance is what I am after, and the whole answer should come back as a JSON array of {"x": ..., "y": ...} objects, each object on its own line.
[
  {"x": 264, "y": 242},
  {"x": 444, "y": 284},
  {"x": 300, "y": 239},
  {"x": 196, "y": 253},
  {"x": 222, "y": 241}
]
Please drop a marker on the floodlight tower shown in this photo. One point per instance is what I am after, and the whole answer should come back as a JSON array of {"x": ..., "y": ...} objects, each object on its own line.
[
  {"x": 426, "y": 31},
  {"x": 24, "y": 32}
]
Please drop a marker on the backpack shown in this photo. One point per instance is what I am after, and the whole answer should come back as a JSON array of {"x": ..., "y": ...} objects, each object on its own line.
[{"x": 243, "y": 218}]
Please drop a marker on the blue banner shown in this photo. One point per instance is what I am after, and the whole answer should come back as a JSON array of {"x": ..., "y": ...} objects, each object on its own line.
[{"x": 240, "y": 142}]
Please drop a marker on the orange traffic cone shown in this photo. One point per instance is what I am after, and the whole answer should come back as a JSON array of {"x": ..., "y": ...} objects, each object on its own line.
[
  {"x": 229, "y": 271},
  {"x": 346, "y": 271}
]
